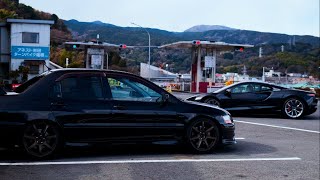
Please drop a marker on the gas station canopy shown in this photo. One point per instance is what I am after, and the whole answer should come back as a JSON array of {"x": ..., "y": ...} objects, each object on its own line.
[
  {"x": 219, "y": 46},
  {"x": 84, "y": 45},
  {"x": 95, "y": 52},
  {"x": 199, "y": 65}
]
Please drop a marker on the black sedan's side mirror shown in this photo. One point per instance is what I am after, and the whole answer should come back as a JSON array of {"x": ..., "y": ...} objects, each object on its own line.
[
  {"x": 164, "y": 99},
  {"x": 227, "y": 92}
]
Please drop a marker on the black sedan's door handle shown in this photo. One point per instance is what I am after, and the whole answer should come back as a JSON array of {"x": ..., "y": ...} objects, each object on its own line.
[{"x": 119, "y": 107}]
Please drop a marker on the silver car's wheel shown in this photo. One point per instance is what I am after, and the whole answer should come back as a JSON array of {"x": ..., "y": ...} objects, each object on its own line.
[
  {"x": 293, "y": 108},
  {"x": 40, "y": 139},
  {"x": 212, "y": 101}
]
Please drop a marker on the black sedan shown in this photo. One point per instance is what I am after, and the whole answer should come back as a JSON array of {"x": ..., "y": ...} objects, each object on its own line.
[
  {"x": 261, "y": 97},
  {"x": 96, "y": 106}
]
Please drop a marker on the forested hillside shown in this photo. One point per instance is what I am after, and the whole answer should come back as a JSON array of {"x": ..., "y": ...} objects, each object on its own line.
[{"x": 301, "y": 53}]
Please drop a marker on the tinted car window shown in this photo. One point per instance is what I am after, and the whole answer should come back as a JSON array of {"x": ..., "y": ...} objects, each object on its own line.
[
  {"x": 243, "y": 88},
  {"x": 81, "y": 88},
  {"x": 266, "y": 88},
  {"x": 261, "y": 88},
  {"x": 131, "y": 90}
]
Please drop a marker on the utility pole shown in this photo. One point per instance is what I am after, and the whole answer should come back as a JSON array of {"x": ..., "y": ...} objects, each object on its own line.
[
  {"x": 244, "y": 70},
  {"x": 263, "y": 75},
  {"x": 287, "y": 76},
  {"x": 67, "y": 62},
  {"x": 149, "y": 71}
]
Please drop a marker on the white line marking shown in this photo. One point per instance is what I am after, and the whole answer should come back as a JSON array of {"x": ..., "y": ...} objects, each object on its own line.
[
  {"x": 282, "y": 127},
  {"x": 147, "y": 161},
  {"x": 240, "y": 138}
]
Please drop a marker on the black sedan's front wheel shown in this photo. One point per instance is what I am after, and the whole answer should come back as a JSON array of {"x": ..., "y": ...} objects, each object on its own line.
[
  {"x": 203, "y": 135},
  {"x": 293, "y": 108},
  {"x": 41, "y": 139}
]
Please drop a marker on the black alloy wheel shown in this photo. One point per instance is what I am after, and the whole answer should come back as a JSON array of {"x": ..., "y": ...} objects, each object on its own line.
[
  {"x": 203, "y": 135},
  {"x": 212, "y": 101},
  {"x": 41, "y": 139},
  {"x": 293, "y": 108}
]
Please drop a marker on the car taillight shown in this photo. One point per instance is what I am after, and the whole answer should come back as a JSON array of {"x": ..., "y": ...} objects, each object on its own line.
[{"x": 14, "y": 86}]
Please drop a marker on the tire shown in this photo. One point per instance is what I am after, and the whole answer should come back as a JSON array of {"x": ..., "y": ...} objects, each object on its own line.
[
  {"x": 41, "y": 139},
  {"x": 203, "y": 136},
  {"x": 293, "y": 108},
  {"x": 212, "y": 101}
]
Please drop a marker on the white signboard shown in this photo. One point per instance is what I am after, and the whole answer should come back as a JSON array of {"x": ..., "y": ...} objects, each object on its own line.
[
  {"x": 96, "y": 60},
  {"x": 209, "y": 61},
  {"x": 95, "y": 51}
]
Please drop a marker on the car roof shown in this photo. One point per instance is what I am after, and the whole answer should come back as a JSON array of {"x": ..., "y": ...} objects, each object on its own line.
[
  {"x": 244, "y": 82},
  {"x": 84, "y": 70},
  {"x": 257, "y": 82},
  {"x": 66, "y": 70},
  {"x": 108, "y": 72}
]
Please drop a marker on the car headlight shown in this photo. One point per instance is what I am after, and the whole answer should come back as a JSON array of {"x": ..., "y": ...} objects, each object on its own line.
[{"x": 227, "y": 119}]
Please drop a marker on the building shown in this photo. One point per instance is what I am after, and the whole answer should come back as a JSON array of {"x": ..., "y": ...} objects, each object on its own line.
[
  {"x": 235, "y": 77},
  {"x": 272, "y": 73},
  {"x": 153, "y": 72},
  {"x": 297, "y": 75},
  {"x": 25, "y": 43},
  {"x": 166, "y": 79}
]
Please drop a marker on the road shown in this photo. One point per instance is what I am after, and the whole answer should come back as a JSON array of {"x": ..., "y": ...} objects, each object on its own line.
[{"x": 267, "y": 148}]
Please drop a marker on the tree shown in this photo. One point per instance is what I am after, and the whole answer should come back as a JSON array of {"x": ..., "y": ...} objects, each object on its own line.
[
  {"x": 24, "y": 71},
  {"x": 55, "y": 18},
  {"x": 14, "y": 75},
  {"x": 122, "y": 63},
  {"x": 5, "y": 14}
]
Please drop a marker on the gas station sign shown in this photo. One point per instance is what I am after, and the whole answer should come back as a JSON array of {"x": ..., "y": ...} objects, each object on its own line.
[{"x": 209, "y": 61}]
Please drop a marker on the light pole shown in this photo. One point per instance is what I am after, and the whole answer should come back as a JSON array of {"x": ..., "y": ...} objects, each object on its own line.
[
  {"x": 149, "y": 72},
  {"x": 263, "y": 75}
]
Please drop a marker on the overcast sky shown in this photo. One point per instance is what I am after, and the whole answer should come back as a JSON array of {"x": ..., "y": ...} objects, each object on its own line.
[{"x": 294, "y": 17}]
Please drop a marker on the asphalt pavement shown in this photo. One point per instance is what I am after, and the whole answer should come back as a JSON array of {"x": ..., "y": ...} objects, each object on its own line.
[{"x": 268, "y": 147}]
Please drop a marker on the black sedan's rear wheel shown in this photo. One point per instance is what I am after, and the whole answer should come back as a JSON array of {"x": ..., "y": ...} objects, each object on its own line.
[
  {"x": 203, "y": 135},
  {"x": 212, "y": 101},
  {"x": 293, "y": 108},
  {"x": 41, "y": 139}
]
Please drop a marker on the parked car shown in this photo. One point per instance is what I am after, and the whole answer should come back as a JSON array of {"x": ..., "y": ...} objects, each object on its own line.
[
  {"x": 261, "y": 97},
  {"x": 97, "y": 106}
]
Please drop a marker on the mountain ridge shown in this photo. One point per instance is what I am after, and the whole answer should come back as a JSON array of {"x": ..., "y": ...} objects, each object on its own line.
[
  {"x": 117, "y": 34},
  {"x": 203, "y": 28},
  {"x": 301, "y": 53}
]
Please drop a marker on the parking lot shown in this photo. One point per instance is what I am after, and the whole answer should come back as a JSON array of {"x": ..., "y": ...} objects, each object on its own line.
[{"x": 268, "y": 147}]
